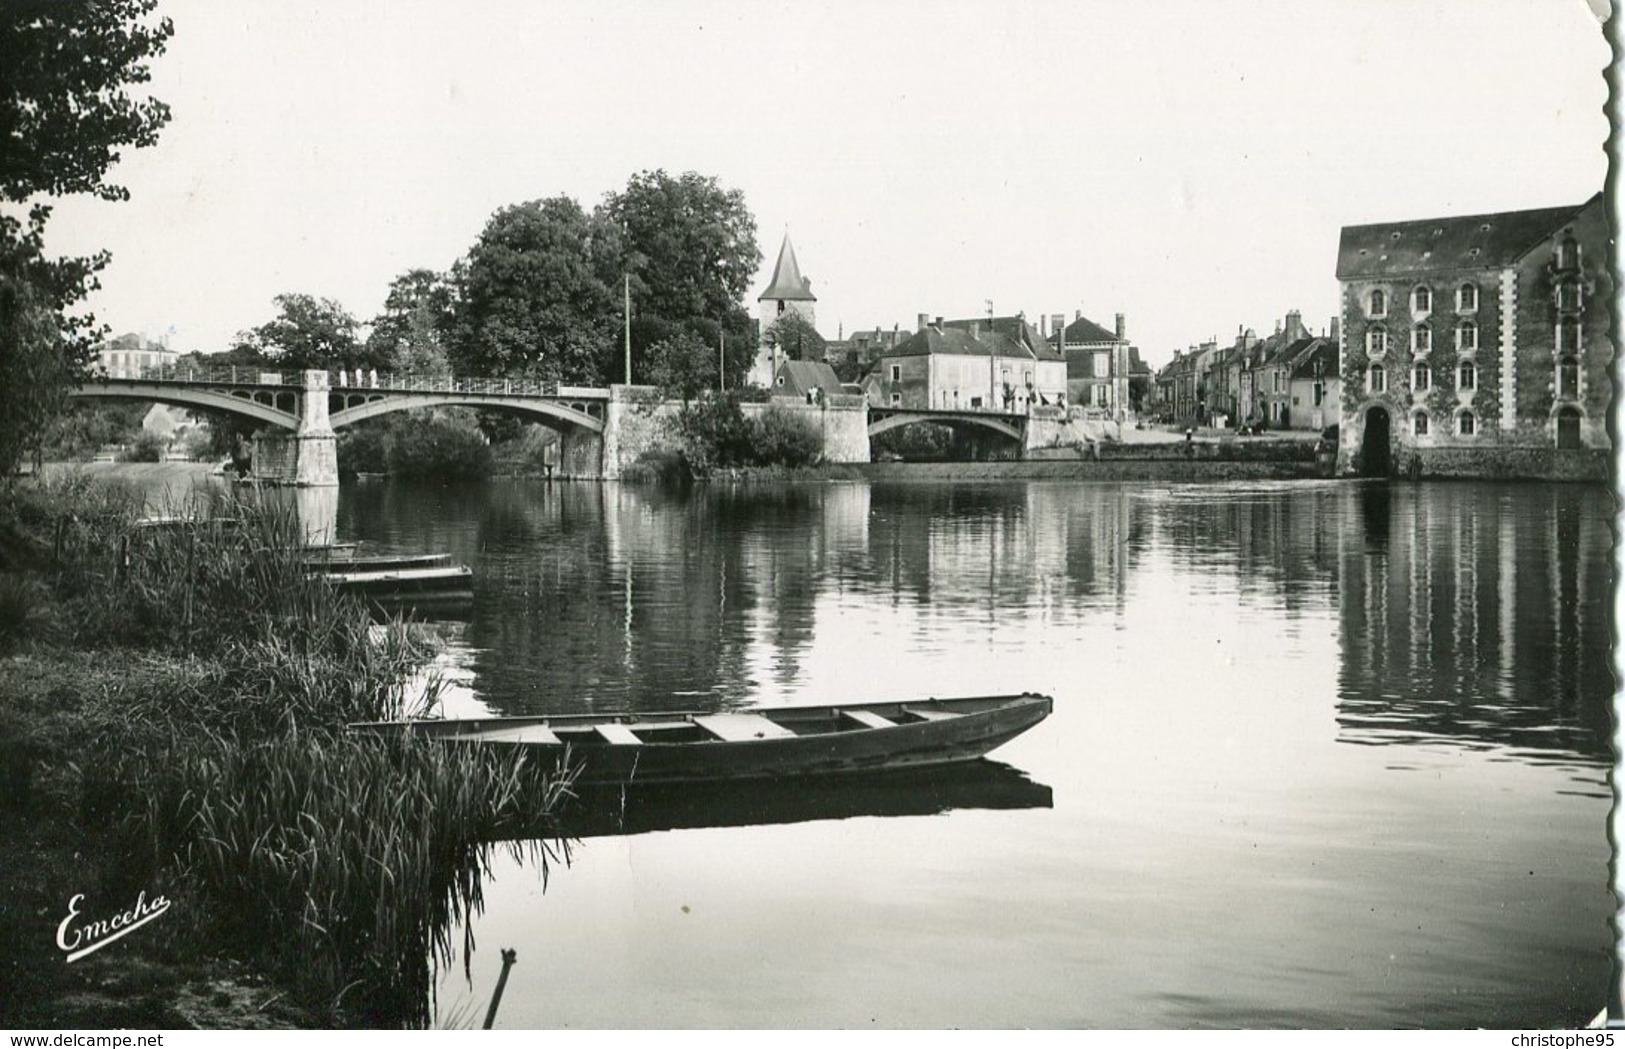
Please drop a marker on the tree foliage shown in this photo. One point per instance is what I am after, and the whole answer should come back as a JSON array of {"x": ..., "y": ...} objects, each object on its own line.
[
  {"x": 414, "y": 329},
  {"x": 796, "y": 338},
  {"x": 682, "y": 366},
  {"x": 537, "y": 295},
  {"x": 66, "y": 111},
  {"x": 543, "y": 291},
  {"x": 36, "y": 370},
  {"x": 691, "y": 254},
  {"x": 309, "y": 332}
]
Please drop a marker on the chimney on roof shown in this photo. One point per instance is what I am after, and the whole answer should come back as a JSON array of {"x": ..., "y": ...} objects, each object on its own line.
[
  {"x": 1057, "y": 325},
  {"x": 1077, "y": 315},
  {"x": 1122, "y": 329},
  {"x": 937, "y": 324},
  {"x": 1336, "y": 331},
  {"x": 1294, "y": 326},
  {"x": 923, "y": 321}
]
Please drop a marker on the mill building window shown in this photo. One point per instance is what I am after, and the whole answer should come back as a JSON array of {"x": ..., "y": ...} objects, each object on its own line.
[
  {"x": 1568, "y": 253},
  {"x": 1568, "y": 295},
  {"x": 1422, "y": 299},
  {"x": 1466, "y": 336},
  {"x": 1467, "y": 298},
  {"x": 1466, "y": 376},
  {"x": 1421, "y": 339},
  {"x": 1421, "y": 377},
  {"x": 1379, "y": 303},
  {"x": 1466, "y": 424},
  {"x": 1568, "y": 335},
  {"x": 1377, "y": 379},
  {"x": 1568, "y": 377},
  {"x": 1419, "y": 424},
  {"x": 1376, "y": 341}
]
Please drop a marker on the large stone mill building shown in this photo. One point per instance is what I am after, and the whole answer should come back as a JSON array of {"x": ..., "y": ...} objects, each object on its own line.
[{"x": 1478, "y": 345}]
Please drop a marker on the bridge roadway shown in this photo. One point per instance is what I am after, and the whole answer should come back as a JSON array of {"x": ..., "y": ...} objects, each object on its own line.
[{"x": 275, "y": 397}]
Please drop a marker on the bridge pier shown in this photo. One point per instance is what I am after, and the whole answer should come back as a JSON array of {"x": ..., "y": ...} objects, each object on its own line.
[{"x": 309, "y": 458}]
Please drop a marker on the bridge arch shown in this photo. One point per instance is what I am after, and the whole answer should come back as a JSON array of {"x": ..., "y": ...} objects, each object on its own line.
[
  {"x": 558, "y": 416},
  {"x": 192, "y": 397},
  {"x": 895, "y": 419}
]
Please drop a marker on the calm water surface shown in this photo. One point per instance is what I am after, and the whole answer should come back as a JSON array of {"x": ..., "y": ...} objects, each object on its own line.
[{"x": 1323, "y": 755}]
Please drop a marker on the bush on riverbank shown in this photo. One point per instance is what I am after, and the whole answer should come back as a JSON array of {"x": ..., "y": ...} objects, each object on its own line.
[
  {"x": 182, "y": 709},
  {"x": 714, "y": 434},
  {"x": 428, "y": 443}
]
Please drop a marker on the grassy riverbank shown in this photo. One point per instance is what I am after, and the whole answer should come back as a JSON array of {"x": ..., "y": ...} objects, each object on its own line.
[{"x": 172, "y": 725}]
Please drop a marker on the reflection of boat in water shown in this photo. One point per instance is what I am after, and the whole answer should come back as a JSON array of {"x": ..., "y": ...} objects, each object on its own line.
[
  {"x": 982, "y": 784},
  {"x": 759, "y": 744}
]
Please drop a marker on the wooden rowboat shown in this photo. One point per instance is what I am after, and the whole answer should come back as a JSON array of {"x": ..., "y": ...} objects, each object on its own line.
[
  {"x": 756, "y": 744},
  {"x": 332, "y": 563}
]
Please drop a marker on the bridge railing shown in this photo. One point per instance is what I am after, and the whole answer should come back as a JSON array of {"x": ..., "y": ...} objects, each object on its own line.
[{"x": 348, "y": 379}]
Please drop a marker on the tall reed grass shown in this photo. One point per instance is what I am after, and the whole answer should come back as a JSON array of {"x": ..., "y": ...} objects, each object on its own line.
[
  {"x": 224, "y": 773},
  {"x": 344, "y": 864}
]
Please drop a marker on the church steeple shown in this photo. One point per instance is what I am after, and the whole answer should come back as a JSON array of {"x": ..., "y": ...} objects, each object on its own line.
[
  {"x": 788, "y": 285},
  {"x": 787, "y": 292}
]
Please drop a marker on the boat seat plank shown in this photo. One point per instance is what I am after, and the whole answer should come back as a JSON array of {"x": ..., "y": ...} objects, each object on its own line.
[
  {"x": 869, "y": 719},
  {"x": 926, "y": 714},
  {"x": 510, "y": 734},
  {"x": 619, "y": 734},
  {"x": 736, "y": 728}
]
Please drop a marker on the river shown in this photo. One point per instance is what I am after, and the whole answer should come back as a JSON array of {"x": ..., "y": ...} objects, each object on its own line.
[{"x": 1323, "y": 754}]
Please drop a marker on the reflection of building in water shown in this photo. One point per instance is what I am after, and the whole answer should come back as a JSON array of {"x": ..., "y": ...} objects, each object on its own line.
[
  {"x": 1276, "y": 543},
  {"x": 1478, "y": 613},
  {"x": 1000, "y": 545}
]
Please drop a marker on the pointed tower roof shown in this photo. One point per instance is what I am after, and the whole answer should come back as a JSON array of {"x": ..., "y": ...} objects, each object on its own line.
[{"x": 787, "y": 282}]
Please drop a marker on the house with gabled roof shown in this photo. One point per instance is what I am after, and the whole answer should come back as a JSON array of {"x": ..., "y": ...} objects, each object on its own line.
[
  {"x": 1313, "y": 384},
  {"x": 805, "y": 381},
  {"x": 1098, "y": 365},
  {"x": 1478, "y": 345},
  {"x": 1000, "y": 364}
]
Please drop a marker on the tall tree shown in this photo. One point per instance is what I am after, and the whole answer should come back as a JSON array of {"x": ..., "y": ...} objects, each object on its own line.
[
  {"x": 538, "y": 294},
  {"x": 66, "y": 111},
  {"x": 796, "y": 339},
  {"x": 418, "y": 319},
  {"x": 682, "y": 366},
  {"x": 691, "y": 255},
  {"x": 415, "y": 327},
  {"x": 309, "y": 332}
]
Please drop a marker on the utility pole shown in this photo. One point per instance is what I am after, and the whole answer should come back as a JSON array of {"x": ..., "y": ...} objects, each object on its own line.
[
  {"x": 722, "y": 360},
  {"x": 626, "y": 311}
]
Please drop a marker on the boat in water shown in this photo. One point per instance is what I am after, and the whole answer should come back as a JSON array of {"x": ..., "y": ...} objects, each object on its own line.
[{"x": 769, "y": 743}]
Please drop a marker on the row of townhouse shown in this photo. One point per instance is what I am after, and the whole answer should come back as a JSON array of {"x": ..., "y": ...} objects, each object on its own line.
[
  {"x": 1006, "y": 364},
  {"x": 1288, "y": 380},
  {"x": 1000, "y": 364},
  {"x": 996, "y": 364}
]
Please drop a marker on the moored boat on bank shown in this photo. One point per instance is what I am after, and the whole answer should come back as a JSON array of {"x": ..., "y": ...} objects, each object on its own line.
[{"x": 754, "y": 744}]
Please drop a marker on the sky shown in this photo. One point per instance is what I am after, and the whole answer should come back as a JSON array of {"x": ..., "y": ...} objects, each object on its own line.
[{"x": 1187, "y": 163}]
